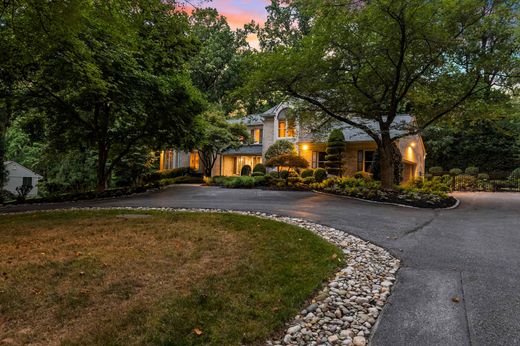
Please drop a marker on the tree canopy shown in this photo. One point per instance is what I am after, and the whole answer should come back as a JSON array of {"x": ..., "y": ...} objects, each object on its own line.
[{"x": 369, "y": 61}]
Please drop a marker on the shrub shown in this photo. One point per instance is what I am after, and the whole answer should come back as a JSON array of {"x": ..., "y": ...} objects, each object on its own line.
[
  {"x": 22, "y": 192},
  {"x": 471, "y": 170},
  {"x": 169, "y": 174},
  {"x": 309, "y": 180},
  {"x": 239, "y": 182},
  {"x": 188, "y": 180},
  {"x": 257, "y": 174},
  {"x": 306, "y": 173},
  {"x": 287, "y": 160},
  {"x": 245, "y": 171},
  {"x": 7, "y": 195},
  {"x": 435, "y": 170},
  {"x": 261, "y": 180},
  {"x": 320, "y": 174},
  {"x": 280, "y": 147},
  {"x": 259, "y": 168},
  {"x": 515, "y": 175},
  {"x": 362, "y": 175},
  {"x": 335, "y": 149},
  {"x": 455, "y": 171},
  {"x": 483, "y": 176},
  {"x": 295, "y": 180},
  {"x": 465, "y": 182},
  {"x": 428, "y": 176},
  {"x": 284, "y": 174},
  {"x": 274, "y": 174}
]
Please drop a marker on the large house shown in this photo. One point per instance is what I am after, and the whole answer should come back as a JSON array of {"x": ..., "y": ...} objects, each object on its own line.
[{"x": 274, "y": 124}]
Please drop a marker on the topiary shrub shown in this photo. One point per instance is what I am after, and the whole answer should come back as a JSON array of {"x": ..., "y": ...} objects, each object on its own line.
[
  {"x": 259, "y": 168},
  {"x": 471, "y": 170},
  {"x": 515, "y": 175},
  {"x": 257, "y": 174},
  {"x": 274, "y": 174},
  {"x": 306, "y": 173},
  {"x": 320, "y": 174},
  {"x": 245, "y": 171},
  {"x": 455, "y": 171},
  {"x": 284, "y": 174},
  {"x": 309, "y": 180},
  {"x": 435, "y": 170},
  {"x": 483, "y": 176},
  {"x": 335, "y": 149}
]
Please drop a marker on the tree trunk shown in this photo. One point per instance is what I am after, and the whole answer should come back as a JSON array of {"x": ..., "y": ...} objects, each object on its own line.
[
  {"x": 386, "y": 152},
  {"x": 101, "y": 169},
  {"x": 4, "y": 121}
]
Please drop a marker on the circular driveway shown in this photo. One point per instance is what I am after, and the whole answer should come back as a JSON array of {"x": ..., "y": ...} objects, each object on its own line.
[{"x": 459, "y": 283}]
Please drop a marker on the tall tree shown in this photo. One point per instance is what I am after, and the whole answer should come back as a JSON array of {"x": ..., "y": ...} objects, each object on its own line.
[
  {"x": 365, "y": 62},
  {"x": 112, "y": 76}
]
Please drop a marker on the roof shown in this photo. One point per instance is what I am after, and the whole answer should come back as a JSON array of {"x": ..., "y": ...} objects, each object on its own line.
[
  {"x": 252, "y": 150},
  {"x": 248, "y": 120},
  {"x": 402, "y": 123},
  {"x": 20, "y": 167}
]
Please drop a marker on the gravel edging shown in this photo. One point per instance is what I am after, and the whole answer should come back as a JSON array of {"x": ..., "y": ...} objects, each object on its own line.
[{"x": 347, "y": 307}]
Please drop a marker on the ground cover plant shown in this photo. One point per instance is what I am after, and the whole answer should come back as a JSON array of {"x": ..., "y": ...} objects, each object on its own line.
[{"x": 120, "y": 278}]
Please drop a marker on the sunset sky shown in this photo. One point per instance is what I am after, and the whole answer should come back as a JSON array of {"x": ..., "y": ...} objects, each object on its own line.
[{"x": 239, "y": 12}]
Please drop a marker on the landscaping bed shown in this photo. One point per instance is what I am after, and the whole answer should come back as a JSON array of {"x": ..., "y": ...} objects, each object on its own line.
[
  {"x": 419, "y": 193},
  {"x": 138, "y": 277}
]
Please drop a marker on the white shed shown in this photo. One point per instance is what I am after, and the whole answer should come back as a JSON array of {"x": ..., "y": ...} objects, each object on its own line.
[{"x": 18, "y": 175}]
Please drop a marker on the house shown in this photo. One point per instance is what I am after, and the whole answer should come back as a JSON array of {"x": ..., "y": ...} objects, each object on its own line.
[
  {"x": 18, "y": 175},
  {"x": 274, "y": 124}
]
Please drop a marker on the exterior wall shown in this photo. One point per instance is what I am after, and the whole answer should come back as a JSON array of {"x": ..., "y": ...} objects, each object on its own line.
[
  {"x": 414, "y": 156},
  {"x": 268, "y": 135},
  {"x": 350, "y": 159},
  {"x": 16, "y": 173}
]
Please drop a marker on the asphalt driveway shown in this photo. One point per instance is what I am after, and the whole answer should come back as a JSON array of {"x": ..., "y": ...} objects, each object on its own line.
[{"x": 460, "y": 278}]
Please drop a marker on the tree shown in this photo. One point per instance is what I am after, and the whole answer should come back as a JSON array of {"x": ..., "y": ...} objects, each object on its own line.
[
  {"x": 111, "y": 76},
  {"x": 214, "y": 135},
  {"x": 280, "y": 147},
  {"x": 289, "y": 160},
  {"x": 335, "y": 149},
  {"x": 363, "y": 63}
]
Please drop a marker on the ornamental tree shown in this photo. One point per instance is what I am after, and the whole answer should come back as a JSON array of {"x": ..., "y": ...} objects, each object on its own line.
[
  {"x": 335, "y": 150},
  {"x": 365, "y": 62},
  {"x": 280, "y": 147}
]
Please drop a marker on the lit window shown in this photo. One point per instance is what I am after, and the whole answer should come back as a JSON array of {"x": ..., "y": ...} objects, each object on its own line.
[
  {"x": 194, "y": 161},
  {"x": 281, "y": 128},
  {"x": 291, "y": 129},
  {"x": 256, "y": 135}
]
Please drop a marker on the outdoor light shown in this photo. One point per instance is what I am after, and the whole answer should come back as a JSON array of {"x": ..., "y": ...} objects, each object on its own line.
[
  {"x": 412, "y": 144},
  {"x": 305, "y": 147}
]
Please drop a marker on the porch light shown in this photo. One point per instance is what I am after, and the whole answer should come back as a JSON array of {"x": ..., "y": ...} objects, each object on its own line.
[
  {"x": 412, "y": 144},
  {"x": 305, "y": 147}
]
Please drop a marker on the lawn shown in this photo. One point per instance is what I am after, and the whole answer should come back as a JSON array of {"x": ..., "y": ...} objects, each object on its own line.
[{"x": 119, "y": 278}]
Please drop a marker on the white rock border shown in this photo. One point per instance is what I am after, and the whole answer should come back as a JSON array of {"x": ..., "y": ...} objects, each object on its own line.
[{"x": 347, "y": 307}]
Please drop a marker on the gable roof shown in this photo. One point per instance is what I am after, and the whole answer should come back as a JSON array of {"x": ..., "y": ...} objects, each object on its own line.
[{"x": 20, "y": 170}]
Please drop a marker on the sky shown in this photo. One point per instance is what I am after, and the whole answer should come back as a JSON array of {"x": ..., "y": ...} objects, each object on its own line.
[{"x": 239, "y": 12}]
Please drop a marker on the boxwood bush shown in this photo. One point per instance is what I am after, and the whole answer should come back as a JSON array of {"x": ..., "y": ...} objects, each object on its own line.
[
  {"x": 471, "y": 170},
  {"x": 320, "y": 174},
  {"x": 308, "y": 172},
  {"x": 259, "y": 168}
]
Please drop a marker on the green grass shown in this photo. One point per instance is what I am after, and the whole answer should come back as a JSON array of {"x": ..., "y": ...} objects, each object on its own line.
[{"x": 96, "y": 278}]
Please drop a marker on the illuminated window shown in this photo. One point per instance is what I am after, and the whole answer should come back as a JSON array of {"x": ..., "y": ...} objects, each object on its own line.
[
  {"x": 281, "y": 128},
  {"x": 194, "y": 161},
  {"x": 256, "y": 135}
]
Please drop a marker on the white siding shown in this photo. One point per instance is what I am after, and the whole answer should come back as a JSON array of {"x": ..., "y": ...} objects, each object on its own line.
[{"x": 16, "y": 173}]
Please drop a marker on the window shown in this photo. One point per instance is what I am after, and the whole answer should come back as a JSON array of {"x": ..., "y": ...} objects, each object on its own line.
[
  {"x": 194, "y": 161},
  {"x": 27, "y": 181},
  {"x": 256, "y": 135},
  {"x": 291, "y": 128},
  {"x": 369, "y": 160},
  {"x": 281, "y": 128},
  {"x": 318, "y": 159},
  {"x": 359, "y": 160},
  {"x": 241, "y": 161}
]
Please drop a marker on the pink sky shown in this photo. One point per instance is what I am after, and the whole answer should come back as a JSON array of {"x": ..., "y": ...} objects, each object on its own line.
[{"x": 239, "y": 12}]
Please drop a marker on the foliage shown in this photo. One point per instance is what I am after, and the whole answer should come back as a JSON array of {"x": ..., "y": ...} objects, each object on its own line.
[
  {"x": 212, "y": 135},
  {"x": 284, "y": 174},
  {"x": 483, "y": 176},
  {"x": 308, "y": 172},
  {"x": 22, "y": 192},
  {"x": 257, "y": 174},
  {"x": 246, "y": 170},
  {"x": 168, "y": 174},
  {"x": 471, "y": 170},
  {"x": 110, "y": 100},
  {"x": 335, "y": 150},
  {"x": 259, "y": 168},
  {"x": 320, "y": 174},
  {"x": 181, "y": 180},
  {"x": 280, "y": 147},
  {"x": 366, "y": 64},
  {"x": 455, "y": 171},
  {"x": 515, "y": 175},
  {"x": 309, "y": 180},
  {"x": 436, "y": 170},
  {"x": 290, "y": 161}
]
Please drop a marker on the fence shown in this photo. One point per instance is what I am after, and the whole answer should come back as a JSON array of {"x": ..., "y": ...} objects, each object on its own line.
[{"x": 491, "y": 182}]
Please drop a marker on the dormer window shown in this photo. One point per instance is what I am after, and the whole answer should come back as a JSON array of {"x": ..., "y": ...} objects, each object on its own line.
[
  {"x": 286, "y": 127},
  {"x": 256, "y": 136}
]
